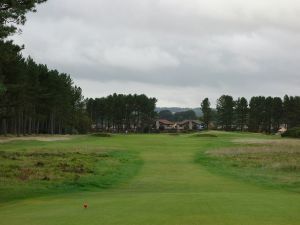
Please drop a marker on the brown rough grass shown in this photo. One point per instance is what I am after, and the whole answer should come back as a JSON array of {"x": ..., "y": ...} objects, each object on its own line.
[
  {"x": 280, "y": 155},
  {"x": 294, "y": 142}
]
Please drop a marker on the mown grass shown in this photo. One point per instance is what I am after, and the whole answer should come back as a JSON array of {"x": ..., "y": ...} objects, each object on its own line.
[
  {"x": 269, "y": 162},
  {"x": 28, "y": 171}
]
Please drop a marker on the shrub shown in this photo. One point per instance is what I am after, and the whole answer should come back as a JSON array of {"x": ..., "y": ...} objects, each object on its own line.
[{"x": 293, "y": 132}]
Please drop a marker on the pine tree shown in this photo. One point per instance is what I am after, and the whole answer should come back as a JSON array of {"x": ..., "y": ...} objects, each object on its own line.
[
  {"x": 207, "y": 112},
  {"x": 225, "y": 109},
  {"x": 241, "y": 113}
]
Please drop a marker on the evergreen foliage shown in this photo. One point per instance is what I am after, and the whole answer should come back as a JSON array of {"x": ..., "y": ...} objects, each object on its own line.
[
  {"x": 34, "y": 99},
  {"x": 207, "y": 112},
  {"x": 120, "y": 112},
  {"x": 263, "y": 114},
  {"x": 38, "y": 100}
]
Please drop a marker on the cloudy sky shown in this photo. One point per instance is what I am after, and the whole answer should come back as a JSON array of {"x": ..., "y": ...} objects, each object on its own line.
[{"x": 178, "y": 51}]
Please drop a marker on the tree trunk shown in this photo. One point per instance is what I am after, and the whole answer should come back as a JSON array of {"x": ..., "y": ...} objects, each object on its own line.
[
  {"x": 37, "y": 128},
  {"x": 29, "y": 125},
  {"x": 19, "y": 124},
  {"x": 4, "y": 128}
]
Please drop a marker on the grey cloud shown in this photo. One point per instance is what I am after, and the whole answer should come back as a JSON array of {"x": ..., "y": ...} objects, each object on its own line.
[{"x": 208, "y": 47}]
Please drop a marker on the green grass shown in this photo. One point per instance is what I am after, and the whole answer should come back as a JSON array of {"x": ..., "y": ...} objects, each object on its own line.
[{"x": 169, "y": 188}]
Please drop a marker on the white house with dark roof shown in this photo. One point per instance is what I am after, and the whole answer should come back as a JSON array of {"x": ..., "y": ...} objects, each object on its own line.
[{"x": 163, "y": 124}]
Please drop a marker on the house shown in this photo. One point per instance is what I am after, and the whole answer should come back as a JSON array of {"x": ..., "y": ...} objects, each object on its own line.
[
  {"x": 189, "y": 125},
  {"x": 164, "y": 125},
  {"x": 282, "y": 129}
]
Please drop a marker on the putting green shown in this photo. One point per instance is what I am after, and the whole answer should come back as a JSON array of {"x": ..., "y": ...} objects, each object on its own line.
[{"x": 170, "y": 189}]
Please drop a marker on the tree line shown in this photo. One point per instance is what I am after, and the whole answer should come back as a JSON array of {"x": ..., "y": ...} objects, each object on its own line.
[
  {"x": 38, "y": 100},
  {"x": 260, "y": 114},
  {"x": 33, "y": 98},
  {"x": 119, "y": 113}
]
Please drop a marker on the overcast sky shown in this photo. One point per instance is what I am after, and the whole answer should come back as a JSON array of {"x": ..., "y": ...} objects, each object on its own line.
[{"x": 178, "y": 51}]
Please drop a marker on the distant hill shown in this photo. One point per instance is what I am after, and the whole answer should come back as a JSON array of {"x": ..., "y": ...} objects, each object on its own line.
[{"x": 178, "y": 109}]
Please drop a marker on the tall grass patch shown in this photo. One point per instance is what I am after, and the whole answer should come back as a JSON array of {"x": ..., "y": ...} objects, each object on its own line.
[
  {"x": 39, "y": 172},
  {"x": 274, "y": 164}
]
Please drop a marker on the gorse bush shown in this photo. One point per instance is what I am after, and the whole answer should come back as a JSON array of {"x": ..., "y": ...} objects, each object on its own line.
[{"x": 293, "y": 132}]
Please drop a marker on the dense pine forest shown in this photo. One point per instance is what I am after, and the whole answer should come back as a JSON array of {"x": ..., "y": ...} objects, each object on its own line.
[
  {"x": 38, "y": 100},
  {"x": 260, "y": 114},
  {"x": 119, "y": 112},
  {"x": 33, "y": 98}
]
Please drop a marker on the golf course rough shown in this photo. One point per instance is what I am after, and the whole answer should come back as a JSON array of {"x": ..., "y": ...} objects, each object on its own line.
[{"x": 171, "y": 187}]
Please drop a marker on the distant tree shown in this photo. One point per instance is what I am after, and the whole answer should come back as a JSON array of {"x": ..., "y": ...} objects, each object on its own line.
[
  {"x": 256, "y": 113},
  {"x": 119, "y": 112},
  {"x": 225, "y": 109},
  {"x": 277, "y": 113},
  {"x": 264, "y": 114},
  {"x": 267, "y": 117},
  {"x": 291, "y": 108},
  {"x": 185, "y": 115},
  {"x": 288, "y": 111},
  {"x": 207, "y": 112},
  {"x": 166, "y": 114},
  {"x": 241, "y": 113}
]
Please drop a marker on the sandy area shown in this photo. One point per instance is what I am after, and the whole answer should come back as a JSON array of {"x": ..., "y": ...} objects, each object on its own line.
[{"x": 36, "y": 138}]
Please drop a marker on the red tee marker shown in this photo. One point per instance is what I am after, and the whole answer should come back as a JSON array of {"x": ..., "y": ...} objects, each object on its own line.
[{"x": 85, "y": 205}]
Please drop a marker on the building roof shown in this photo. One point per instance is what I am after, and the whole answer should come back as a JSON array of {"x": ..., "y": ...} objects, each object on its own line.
[
  {"x": 282, "y": 129},
  {"x": 166, "y": 122}
]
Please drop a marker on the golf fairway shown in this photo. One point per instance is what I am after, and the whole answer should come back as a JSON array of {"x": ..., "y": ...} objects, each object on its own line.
[{"x": 169, "y": 189}]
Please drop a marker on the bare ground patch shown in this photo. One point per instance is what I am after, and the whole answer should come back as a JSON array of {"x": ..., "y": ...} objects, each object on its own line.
[{"x": 36, "y": 138}]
